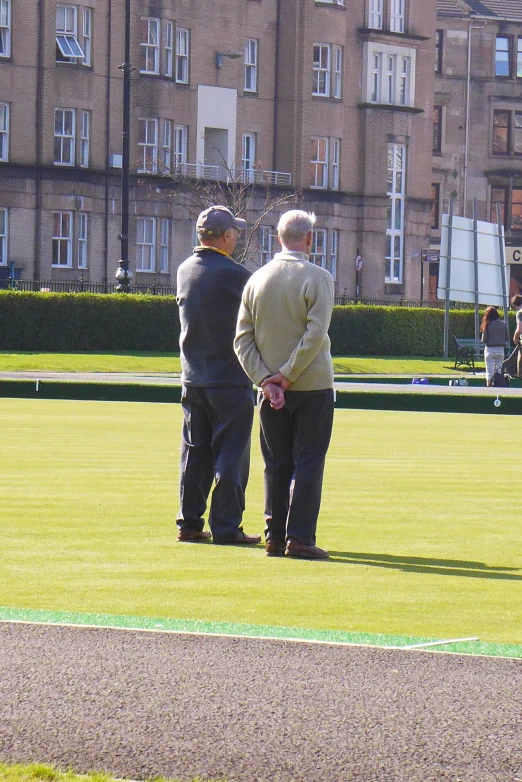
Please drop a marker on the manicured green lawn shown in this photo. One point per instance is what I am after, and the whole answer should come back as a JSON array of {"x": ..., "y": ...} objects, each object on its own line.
[
  {"x": 39, "y": 772},
  {"x": 158, "y": 363},
  {"x": 420, "y": 514}
]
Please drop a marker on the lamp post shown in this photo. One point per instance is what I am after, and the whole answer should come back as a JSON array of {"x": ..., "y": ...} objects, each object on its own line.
[{"x": 123, "y": 273}]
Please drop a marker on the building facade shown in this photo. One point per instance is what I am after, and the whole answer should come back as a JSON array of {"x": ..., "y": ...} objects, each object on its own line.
[
  {"x": 327, "y": 105},
  {"x": 477, "y": 119}
]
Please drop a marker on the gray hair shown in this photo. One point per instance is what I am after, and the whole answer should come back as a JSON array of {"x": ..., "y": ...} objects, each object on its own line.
[{"x": 294, "y": 225}]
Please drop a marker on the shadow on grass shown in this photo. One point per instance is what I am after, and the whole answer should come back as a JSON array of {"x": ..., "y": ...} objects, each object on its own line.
[{"x": 440, "y": 567}]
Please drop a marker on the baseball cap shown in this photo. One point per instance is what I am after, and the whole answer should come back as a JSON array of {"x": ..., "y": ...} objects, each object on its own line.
[{"x": 219, "y": 219}]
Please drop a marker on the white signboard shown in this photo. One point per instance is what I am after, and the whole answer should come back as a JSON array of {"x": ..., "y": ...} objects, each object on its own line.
[{"x": 462, "y": 277}]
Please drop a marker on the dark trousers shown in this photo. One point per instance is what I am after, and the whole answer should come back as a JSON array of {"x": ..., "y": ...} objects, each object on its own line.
[
  {"x": 215, "y": 446},
  {"x": 294, "y": 442}
]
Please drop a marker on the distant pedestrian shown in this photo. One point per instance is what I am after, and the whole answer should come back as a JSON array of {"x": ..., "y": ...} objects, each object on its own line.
[
  {"x": 282, "y": 343},
  {"x": 516, "y": 303},
  {"x": 495, "y": 336},
  {"x": 217, "y": 395}
]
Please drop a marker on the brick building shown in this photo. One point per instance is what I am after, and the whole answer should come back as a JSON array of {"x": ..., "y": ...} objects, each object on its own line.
[
  {"x": 330, "y": 98},
  {"x": 477, "y": 129}
]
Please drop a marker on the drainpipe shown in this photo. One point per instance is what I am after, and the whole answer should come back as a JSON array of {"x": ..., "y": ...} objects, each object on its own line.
[
  {"x": 38, "y": 143},
  {"x": 276, "y": 84},
  {"x": 468, "y": 114},
  {"x": 107, "y": 142}
]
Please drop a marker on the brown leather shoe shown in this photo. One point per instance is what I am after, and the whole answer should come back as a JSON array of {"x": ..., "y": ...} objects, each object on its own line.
[
  {"x": 193, "y": 536},
  {"x": 243, "y": 538},
  {"x": 300, "y": 551},
  {"x": 275, "y": 548}
]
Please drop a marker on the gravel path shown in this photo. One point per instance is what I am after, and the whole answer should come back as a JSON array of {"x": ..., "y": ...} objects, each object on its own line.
[{"x": 142, "y": 704}]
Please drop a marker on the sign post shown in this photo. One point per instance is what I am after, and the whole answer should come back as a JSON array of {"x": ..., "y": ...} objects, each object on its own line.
[{"x": 358, "y": 270}]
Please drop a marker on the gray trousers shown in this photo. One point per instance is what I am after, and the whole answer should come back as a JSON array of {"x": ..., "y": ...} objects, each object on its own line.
[
  {"x": 215, "y": 446},
  {"x": 294, "y": 442}
]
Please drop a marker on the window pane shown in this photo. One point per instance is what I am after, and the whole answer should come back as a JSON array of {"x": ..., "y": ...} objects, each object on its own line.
[
  {"x": 498, "y": 196},
  {"x": 516, "y": 210},
  {"x": 500, "y": 132},
  {"x": 517, "y": 133},
  {"x": 502, "y": 57}
]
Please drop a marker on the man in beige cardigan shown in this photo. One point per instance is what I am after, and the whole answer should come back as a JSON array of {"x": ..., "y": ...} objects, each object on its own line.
[{"x": 282, "y": 344}]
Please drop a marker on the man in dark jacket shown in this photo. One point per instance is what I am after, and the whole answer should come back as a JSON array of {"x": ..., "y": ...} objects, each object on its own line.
[{"x": 217, "y": 395}]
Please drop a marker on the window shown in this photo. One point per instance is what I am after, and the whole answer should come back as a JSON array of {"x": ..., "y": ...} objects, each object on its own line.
[
  {"x": 150, "y": 47},
  {"x": 319, "y": 163},
  {"x": 389, "y": 74},
  {"x": 318, "y": 250},
  {"x": 519, "y": 59},
  {"x": 510, "y": 201},
  {"x": 5, "y": 28},
  {"x": 336, "y": 160},
  {"x": 397, "y": 16},
  {"x": 435, "y": 206},
  {"x": 251, "y": 65},
  {"x": 439, "y": 42},
  {"x": 82, "y": 240},
  {"x": 321, "y": 70},
  {"x": 68, "y": 49},
  {"x": 169, "y": 48},
  {"x": 338, "y": 72},
  {"x": 3, "y": 236},
  {"x": 503, "y": 57},
  {"x": 84, "y": 139},
  {"x": 265, "y": 244},
  {"x": 180, "y": 145},
  {"x": 395, "y": 212},
  {"x": 498, "y": 196},
  {"x": 334, "y": 249},
  {"x": 64, "y": 136},
  {"x": 182, "y": 55},
  {"x": 165, "y": 229},
  {"x": 248, "y": 155},
  {"x": 507, "y": 133},
  {"x": 62, "y": 239},
  {"x": 4, "y": 132},
  {"x": 145, "y": 244},
  {"x": 87, "y": 37},
  {"x": 333, "y": 2},
  {"x": 375, "y": 14},
  {"x": 437, "y": 130},
  {"x": 148, "y": 142},
  {"x": 166, "y": 147}
]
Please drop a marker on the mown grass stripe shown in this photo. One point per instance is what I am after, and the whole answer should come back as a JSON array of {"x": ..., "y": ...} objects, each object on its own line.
[{"x": 109, "y": 621}]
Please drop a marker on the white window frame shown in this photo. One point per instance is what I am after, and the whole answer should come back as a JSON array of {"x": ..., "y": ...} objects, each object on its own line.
[
  {"x": 67, "y": 33},
  {"x": 87, "y": 17},
  {"x": 251, "y": 57},
  {"x": 85, "y": 126},
  {"x": 83, "y": 239},
  {"x": 4, "y": 235},
  {"x": 375, "y": 14},
  {"x": 338, "y": 72},
  {"x": 4, "y": 132},
  {"x": 336, "y": 162},
  {"x": 165, "y": 234},
  {"x": 396, "y": 191},
  {"x": 248, "y": 155},
  {"x": 376, "y": 74},
  {"x": 5, "y": 28},
  {"x": 180, "y": 145},
  {"x": 62, "y": 238},
  {"x": 150, "y": 48},
  {"x": 169, "y": 48},
  {"x": 265, "y": 244},
  {"x": 67, "y": 141},
  {"x": 319, "y": 164},
  {"x": 145, "y": 250},
  {"x": 397, "y": 16},
  {"x": 318, "y": 257},
  {"x": 166, "y": 147},
  {"x": 148, "y": 143},
  {"x": 334, "y": 252},
  {"x": 182, "y": 55},
  {"x": 322, "y": 73}
]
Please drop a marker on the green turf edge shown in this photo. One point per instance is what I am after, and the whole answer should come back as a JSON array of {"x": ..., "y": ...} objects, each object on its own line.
[{"x": 25, "y": 615}]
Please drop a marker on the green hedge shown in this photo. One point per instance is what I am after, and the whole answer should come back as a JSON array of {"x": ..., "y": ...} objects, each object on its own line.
[{"x": 61, "y": 322}]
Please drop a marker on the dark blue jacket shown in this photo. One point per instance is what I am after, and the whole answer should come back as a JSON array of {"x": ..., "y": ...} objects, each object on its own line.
[{"x": 209, "y": 290}]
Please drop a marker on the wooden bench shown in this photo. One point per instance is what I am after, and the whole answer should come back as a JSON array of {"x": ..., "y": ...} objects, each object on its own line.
[{"x": 466, "y": 351}]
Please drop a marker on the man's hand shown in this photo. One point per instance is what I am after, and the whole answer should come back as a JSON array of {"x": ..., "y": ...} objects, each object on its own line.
[
  {"x": 275, "y": 394},
  {"x": 279, "y": 380}
]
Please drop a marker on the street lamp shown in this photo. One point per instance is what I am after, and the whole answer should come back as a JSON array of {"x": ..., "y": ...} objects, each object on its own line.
[{"x": 123, "y": 273}]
